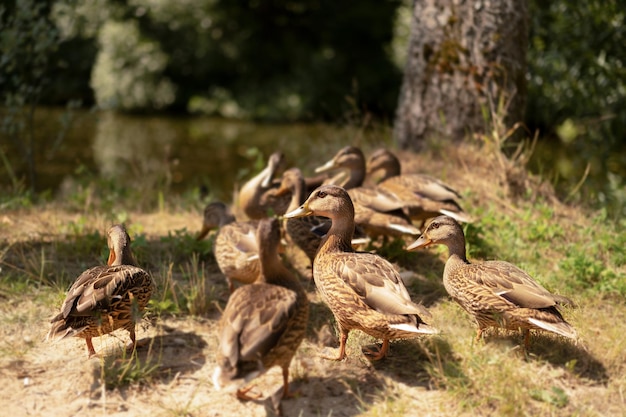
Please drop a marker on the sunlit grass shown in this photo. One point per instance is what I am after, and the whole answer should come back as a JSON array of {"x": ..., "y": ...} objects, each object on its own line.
[
  {"x": 578, "y": 254},
  {"x": 129, "y": 368}
]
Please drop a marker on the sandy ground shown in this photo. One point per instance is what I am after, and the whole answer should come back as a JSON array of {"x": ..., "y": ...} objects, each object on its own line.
[
  {"x": 172, "y": 369},
  {"x": 54, "y": 379}
]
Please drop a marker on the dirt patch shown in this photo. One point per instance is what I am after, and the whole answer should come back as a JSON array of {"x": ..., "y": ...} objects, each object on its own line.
[{"x": 170, "y": 375}]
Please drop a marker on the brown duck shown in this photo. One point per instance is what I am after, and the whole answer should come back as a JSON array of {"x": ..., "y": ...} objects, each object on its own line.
[
  {"x": 377, "y": 211},
  {"x": 495, "y": 293},
  {"x": 424, "y": 196},
  {"x": 305, "y": 232},
  {"x": 263, "y": 323},
  {"x": 257, "y": 197},
  {"x": 235, "y": 246},
  {"x": 105, "y": 298},
  {"x": 363, "y": 290}
]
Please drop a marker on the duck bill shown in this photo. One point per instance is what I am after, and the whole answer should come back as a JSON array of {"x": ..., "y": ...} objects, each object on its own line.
[
  {"x": 301, "y": 211},
  {"x": 205, "y": 231},
  {"x": 328, "y": 166},
  {"x": 111, "y": 257},
  {"x": 421, "y": 242}
]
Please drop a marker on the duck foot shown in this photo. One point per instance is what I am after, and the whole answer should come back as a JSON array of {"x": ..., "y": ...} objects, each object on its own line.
[
  {"x": 244, "y": 394},
  {"x": 379, "y": 354}
]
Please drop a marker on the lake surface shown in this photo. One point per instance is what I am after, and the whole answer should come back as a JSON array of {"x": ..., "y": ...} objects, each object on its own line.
[
  {"x": 145, "y": 152},
  {"x": 181, "y": 152}
]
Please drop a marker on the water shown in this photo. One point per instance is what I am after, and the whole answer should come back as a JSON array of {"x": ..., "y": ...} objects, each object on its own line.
[
  {"x": 181, "y": 152},
  {"x": 146, "y": 152}
]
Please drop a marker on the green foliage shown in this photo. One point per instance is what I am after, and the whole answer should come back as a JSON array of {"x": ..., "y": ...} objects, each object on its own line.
[
  {"x": 15, "y": 198},
  {"x": 587, "y": 270},
  {"x": 182, "y": 244},
  {"x": 555, "y": 396},
  {"x": 27, "y": 40},
  {"x": 129, "y": 70},
  {"x": 577, "y": 259},
  {"x": 112, "y": 192},
  {"x": 121, "y": 372},
  {"x": 577, "y": 91},
  {"x": 183, "y": 288},
  {"x": 583, "y": 267},
  {"x": 198, "y": 297},
  {"x": 276, "y": 61},
  {"x": 577, "y": 67}
]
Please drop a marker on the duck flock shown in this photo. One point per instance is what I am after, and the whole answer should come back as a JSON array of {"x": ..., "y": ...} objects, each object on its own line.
[{"x": 328, "y": 217}]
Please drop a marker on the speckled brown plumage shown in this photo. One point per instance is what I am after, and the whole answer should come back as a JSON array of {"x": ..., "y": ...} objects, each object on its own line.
[
  {"x": 263, "y": 323},
  {"x": 105, "y": 298},
  {"x": 495, "y": 293},
  {"x": 377, "y": 215},
  {"x": 305, "y": 232},
  {"x": 351, "y": 161},
  {"x": 377, "y": 212},
  {"x": 257, "y": 197},
  {"x": 363, "y": 290},
  {"x": 235, "y": 245},
  {"x": 424, "y": 196}
]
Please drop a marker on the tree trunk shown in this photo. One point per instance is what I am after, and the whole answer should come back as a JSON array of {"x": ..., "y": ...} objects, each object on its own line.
[{"x": 466, "y": 65}]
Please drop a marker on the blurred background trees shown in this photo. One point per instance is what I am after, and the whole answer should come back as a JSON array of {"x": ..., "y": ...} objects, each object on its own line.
[
  {"x": 577, "y": 89},
  {"x": 294, "y": 60},
  {"x": 277, "y": 60},
  {"x": 299, "y": 59}
]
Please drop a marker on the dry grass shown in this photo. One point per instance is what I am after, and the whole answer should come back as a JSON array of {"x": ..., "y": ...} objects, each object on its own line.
[{"x": 449, "y": 374}]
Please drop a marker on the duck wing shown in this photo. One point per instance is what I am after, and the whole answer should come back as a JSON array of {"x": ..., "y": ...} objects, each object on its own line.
[
  {"x": 378, "y": 284},
  {"x": 97, "y": 289},
  {"x": 514, "y": 285},
  {"x": 254, "y": 320}
]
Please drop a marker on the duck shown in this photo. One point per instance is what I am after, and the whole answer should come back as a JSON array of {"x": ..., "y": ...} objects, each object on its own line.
[
  {"x": 257, "y": 196},
  {"x": 424, "y": 196},
  {"x": 495, "y": 293},
  {"x": 235, "y": 246},
  {"x": 305, "y": 232},
  {"x": 263, "y": 323},
  {"x": 350, "y": 160},
  {"x": 363, "y": 290},
  {"x": 106, "y": 297},
  {"x": 374, "y": 222},
  {"x": 377, "y": 211}
]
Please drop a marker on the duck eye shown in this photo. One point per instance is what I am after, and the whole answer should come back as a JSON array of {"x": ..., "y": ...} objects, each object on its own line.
[
  {"x": 435, "y": 225},
  {"x": 321, "y": 194}
]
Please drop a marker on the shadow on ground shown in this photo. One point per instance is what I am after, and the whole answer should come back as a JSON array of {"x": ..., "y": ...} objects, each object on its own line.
[{"x": 160, "y": 358}]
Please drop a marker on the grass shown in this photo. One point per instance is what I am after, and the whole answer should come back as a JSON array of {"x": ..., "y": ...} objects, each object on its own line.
[
  {"x": 118, "y": 372},
  {"x": 569, "y": 250}
]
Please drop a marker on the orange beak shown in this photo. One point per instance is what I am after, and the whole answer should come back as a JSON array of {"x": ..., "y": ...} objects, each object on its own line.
[
  {"x": 421, "y": 242},
  {"x": 205, "y": 231}
]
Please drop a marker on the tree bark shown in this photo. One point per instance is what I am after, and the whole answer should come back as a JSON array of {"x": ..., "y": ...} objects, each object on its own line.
[{"x": 466, "y": 65}]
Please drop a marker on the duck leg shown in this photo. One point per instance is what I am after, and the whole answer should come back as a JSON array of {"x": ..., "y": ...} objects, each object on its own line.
[
  {"x": 243, "y": 394},
  {"x": 286, "y": 393},
  {"x": 382, "y": 352},
  {"x": 342, "y": 348},
  {"x": 133, "y": 340},
  {"x": 90, "y": 348},
  {"x": 479, "y": 334},
  {"x": 205, "y": 231},
  {"x": 134, "y": 344},
  {"x": 526, "y": 339}
]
